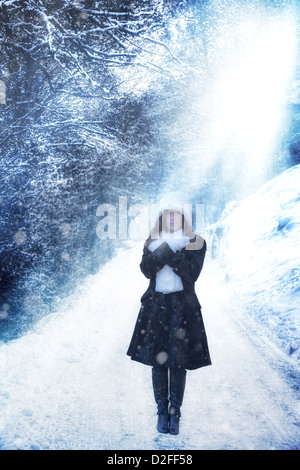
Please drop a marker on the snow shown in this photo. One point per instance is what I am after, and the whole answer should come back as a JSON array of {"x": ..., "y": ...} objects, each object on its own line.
[
  {"x": 68, "y": 384},
  {"x": 259, "y": 249}
]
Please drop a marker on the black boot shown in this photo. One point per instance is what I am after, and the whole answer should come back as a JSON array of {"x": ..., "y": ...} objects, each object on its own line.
[
  {"x": 177, "y": 386},
  {"x": 174, "y": 424},
  {"x": 160, "y": 389},
  {"x": 163, "y": 423}
]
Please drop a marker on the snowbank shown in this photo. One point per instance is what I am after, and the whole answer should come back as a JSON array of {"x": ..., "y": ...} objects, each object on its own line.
[{"x": 258, "y": 245}]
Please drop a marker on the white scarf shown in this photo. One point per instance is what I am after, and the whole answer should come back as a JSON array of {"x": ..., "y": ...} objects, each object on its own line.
[{"x": 166, "y": 280}]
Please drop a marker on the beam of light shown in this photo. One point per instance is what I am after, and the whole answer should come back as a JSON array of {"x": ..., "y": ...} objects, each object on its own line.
[
  {"x": 252, "y": 93},
  {"x": 240, "y": 110}
]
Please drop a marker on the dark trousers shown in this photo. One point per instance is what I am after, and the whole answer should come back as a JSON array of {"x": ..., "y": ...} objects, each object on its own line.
[{"x": 168, "y": 387}]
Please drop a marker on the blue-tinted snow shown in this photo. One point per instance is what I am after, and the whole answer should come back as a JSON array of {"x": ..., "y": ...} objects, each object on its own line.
[
  {"x": 259, "y": 249},
  {"x": 69, "y": 384}
]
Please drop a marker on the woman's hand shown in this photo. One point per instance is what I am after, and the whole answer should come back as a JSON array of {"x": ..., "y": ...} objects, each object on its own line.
[
  {"x": 163, "y": 254},
  {"x": 153, "y": 262}
]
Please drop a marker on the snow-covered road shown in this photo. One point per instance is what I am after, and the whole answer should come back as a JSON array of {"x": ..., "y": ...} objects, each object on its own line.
[{"x": 69, "y": 384}]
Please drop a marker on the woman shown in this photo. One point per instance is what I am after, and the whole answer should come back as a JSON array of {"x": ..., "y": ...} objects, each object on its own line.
[{"x": 169, "y": 334}]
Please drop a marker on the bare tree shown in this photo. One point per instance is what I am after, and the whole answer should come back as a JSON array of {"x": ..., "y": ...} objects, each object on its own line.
[{"x": 75, "y": 129}]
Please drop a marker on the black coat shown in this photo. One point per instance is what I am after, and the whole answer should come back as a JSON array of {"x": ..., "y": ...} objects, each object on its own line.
[{"x": 169, "y": 329}]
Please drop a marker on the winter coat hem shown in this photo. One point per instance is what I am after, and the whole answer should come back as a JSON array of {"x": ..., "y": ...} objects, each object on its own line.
[{"x": 169, "y": 329}]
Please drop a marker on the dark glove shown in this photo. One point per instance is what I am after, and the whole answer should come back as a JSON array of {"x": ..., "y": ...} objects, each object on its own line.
[
  {"x": 152, "y": 262},
  {"x": 177, "y": 257},
  {"x": 163, "y": 254}
]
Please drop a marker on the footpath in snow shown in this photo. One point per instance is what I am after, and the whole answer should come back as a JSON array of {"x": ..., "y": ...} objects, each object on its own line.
[{"x": 69, "y": 384}]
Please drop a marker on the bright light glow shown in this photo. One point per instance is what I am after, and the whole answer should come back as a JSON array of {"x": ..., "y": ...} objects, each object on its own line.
[
  {"x": 238, "y": 100},
  {"x": 252, "y": 90}
]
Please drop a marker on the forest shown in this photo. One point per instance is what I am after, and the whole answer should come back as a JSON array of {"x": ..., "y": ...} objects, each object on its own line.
[{"x": 107, "y": 99}]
